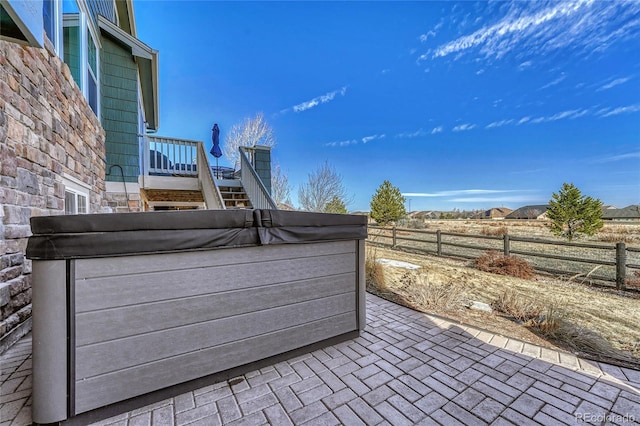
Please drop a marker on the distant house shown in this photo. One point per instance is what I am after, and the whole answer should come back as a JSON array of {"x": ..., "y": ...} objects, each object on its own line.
[
  {"x": 529, "y": 212},
  {"x": 631, "y": 212},
  {"x": 496, "y": 213}
]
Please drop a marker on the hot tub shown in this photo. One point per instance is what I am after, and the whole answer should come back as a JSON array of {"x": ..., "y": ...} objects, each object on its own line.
[{"x": 127, "y": 304}]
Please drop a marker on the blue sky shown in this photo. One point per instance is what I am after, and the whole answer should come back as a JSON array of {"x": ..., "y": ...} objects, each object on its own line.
[{"x": 466, "y": 105}]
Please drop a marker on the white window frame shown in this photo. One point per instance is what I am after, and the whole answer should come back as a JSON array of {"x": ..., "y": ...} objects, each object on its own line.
[
  {"x": 142, "y": 129},
  {"x": 87, "y": 68},
  {"x": 77, "y": 188},
  {"x": 77, "y": 21},
  {"x": 57, "y": 28},
  {"x": 86, "y": 27}
]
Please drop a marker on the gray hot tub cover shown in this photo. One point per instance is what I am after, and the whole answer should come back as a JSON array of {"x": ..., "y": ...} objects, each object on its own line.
[
  {"x": 287, "y": 227},
  {"x": 118, "y": 234},
  {"x": 100, "y": 235}
]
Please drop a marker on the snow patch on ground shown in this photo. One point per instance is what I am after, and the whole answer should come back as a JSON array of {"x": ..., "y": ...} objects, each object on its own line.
[{"x": 398, "y": 264}]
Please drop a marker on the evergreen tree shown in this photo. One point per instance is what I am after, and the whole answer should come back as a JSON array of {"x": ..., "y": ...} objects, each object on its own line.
[
  {"x": 387, "y": 204},
  {"x": 336, "y": 205},
  {"x": 572, "y": 214}
]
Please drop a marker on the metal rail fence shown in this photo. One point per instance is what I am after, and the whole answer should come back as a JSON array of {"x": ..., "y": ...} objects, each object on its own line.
[{"x": 613, "y": 262}]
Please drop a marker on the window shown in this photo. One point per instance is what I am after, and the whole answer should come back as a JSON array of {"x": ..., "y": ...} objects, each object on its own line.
[
  {"x": 73, "y": 46},
  {"x": 76, "y": 196},
  {"x": 75, "y": 202},
  {"x": 51, "y": 20},
  {"x": 92, "y": 73},
  {"x": 81, "y": 52}
]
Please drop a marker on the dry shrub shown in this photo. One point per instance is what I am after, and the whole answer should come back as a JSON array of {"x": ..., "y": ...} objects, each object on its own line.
[
  {"x": 496, "y": 232},
  {"x": 581, "y": 339},
  {"x": 516, "y": 305},
  {"x": 548, "y": 321},
  {"x": 532, "y": 313},
  {"x": 374, "y": 272},
  {"x": 425, "y": 294},
  {"x": 496, "y": 263}
]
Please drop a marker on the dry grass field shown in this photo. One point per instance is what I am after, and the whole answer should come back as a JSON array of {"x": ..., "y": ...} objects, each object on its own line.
[
  {"x": 594, "y": 322},
  {"x": 612, "y": 232}
]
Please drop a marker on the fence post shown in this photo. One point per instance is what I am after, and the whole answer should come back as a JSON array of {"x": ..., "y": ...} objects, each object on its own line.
[
  {"x": 621, "y": 265},
  {"x": 506, "y": 245},
  {"x": 439, "y": 242},
  {"x": 394, "y": 236}
]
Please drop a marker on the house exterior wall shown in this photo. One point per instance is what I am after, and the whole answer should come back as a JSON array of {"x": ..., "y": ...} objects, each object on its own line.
[
  {"x": 105, "y": 8},
  {"x": 119, "y": 88},
  {"x": 262, "y": 164},
  {"x": 48, "y": 132}
]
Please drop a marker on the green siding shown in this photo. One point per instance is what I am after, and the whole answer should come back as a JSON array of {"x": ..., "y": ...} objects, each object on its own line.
[
  {"x": 119, "y": 112},
  {"x": 263, "y": 167},
  {"x": 105, "y": 8}
]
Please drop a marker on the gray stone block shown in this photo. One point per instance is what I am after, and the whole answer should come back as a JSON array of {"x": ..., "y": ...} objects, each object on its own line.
[{"x": 5, "y": 294}]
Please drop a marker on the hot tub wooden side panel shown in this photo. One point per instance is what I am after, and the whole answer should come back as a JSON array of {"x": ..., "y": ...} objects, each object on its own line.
[
  {"x": 124, "y": 384},
  {"x": 116, "y": 323},
  {"x": 270, "y": 300}
]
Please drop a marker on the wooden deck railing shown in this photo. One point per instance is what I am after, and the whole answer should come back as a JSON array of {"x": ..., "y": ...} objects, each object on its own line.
[{"x": 170, "y": 156}]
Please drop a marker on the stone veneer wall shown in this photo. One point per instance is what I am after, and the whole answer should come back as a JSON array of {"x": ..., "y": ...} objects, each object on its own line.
[
  {"x": 121, "y": 202},
  {"x": 47, "y": 130}
]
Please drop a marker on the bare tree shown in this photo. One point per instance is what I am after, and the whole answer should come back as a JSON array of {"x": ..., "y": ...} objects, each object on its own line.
[
  {"x": 280, "y": 189},
  {"x": 250, "y": 132},
  {"x": 323, "y": 185}
]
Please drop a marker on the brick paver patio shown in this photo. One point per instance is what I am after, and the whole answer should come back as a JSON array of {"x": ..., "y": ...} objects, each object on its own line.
[{"x": 407, "y": 368}]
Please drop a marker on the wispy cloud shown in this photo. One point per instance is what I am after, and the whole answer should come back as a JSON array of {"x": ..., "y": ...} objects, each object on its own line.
[
  {"x": 606, "y": 112},
  {"x": 613, "y": 83},
  {"x": 525, "y": 65},
  {"x": 424, "y": 37},
  {"x": 563, "y": 115},
  {"x": 555, "y": 81},
  {"x": 615, "y": 158},
  {"x": 459, "y": 192},
  {"x": 464, "y": 127},
  {"x": 342, "y": 143},
  {"x": 497, "y": 200},
  {"x": 410, "y": 135},
  {"x": 540, "y": 28},
  {"x": 323, "y": 99},
  {"x": 363, "y": 140},
  {"x": 373, "y": 137},
  {"x": 499, "y": 123},
  {"x": 436, "y": 130}
]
